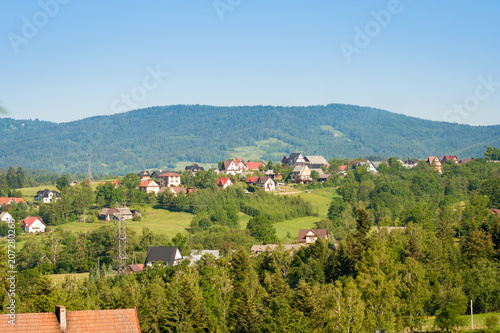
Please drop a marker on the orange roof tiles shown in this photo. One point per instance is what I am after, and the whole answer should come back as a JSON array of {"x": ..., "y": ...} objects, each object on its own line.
[{"x": 102, "y": 321}]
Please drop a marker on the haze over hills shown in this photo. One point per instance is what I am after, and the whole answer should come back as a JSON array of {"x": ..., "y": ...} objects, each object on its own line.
[{"x": 161, "y": 137}]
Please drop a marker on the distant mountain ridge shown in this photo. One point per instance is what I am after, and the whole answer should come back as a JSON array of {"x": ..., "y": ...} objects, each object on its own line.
[{"x": 160, "y": 137}]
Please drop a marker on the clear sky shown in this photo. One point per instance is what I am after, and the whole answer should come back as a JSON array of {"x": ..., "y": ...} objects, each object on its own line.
[{"x": 64, "y": 60}]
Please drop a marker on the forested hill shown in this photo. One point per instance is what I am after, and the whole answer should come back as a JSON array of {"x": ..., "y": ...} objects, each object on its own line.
[{"x": 159, "y": 137}]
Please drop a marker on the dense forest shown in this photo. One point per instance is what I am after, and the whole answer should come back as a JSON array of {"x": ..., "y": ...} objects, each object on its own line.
[
  {"x": 159, "y": 137},
  {"x": 445, "y": 253}
]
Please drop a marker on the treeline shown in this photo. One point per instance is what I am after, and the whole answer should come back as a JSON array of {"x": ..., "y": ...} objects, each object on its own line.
[
  {"x": 214, "y": 206},
  {"x": 371, "y": 281},
  {"x": 398, "y": 196}
]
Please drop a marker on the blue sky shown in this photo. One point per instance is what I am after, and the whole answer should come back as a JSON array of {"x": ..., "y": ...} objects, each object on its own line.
[{"x": 64, "y": 60}]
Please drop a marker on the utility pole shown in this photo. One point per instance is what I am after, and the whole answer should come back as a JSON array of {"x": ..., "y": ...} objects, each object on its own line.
[
  {"x": 89, "y": 167},
  {"x": 121, "y": 243},
  {"x": 471, "y": 316}
]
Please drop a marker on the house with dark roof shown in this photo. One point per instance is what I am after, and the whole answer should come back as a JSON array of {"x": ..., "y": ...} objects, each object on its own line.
[
  {"x": 62, "y": 321},
  {"x": 163, "y": 255},
  {"x": 309, "y": 236},
  {"x": 294, "y": 159},
  {"x": 33, "y": 224},
  {"x": 194, "y": 168},
  {"x": 144, "y": 175},
  {"x": 47, "y": 196}
]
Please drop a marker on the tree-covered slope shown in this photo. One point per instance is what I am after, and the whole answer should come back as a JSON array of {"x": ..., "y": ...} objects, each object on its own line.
[{"x": 159, "y": 137}]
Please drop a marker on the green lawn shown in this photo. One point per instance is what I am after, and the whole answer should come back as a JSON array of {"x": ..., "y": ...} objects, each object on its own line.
[
  {"x": 158, "y": 220},
  {"x": 479, "y": 322},
  {"x": 320, "y": 200},
  {"x": 59, "y": 278}
]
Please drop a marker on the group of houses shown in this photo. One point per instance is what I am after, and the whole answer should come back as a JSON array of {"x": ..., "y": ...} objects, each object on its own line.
[{"x": 171, "y": 256}]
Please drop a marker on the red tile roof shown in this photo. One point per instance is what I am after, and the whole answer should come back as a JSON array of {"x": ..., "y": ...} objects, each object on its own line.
[
  {"x": 102, "y": 321},
  {"x": 5, "y": 201},
  {"x": 27, "y": 222},
  {"x": 169, "y": 174},
  {"x": 342, "y": 167},
  {"x": 251, "y": 180},
  {"x": 148, "y": 183},
  {"x": 253, "y": 165},
  {"x": 223, "y": 180}
]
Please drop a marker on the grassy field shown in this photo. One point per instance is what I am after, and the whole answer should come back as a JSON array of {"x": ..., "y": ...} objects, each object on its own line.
[
  {"x": 320, "y": 200},
  {"x": 479, "y": 322},
  {"x": 158, "y": 220},
  {"x": 59, "y": 278}
]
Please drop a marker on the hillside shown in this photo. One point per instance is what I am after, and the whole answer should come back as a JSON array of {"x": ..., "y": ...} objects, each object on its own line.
[{"x": 161, "y": 137}]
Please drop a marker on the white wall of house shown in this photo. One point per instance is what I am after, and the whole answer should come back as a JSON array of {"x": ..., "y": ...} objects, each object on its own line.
[{"x": 36, "y": 226}]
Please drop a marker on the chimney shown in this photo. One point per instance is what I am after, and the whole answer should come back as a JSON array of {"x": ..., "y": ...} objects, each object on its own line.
[{"x": 61, "y": 316}]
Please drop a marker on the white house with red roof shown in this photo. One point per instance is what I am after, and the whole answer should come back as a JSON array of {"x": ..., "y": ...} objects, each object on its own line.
[
  {"x": 149, "y": 186},
  {"x": 33, "y": 224},
  {"x": 168, "y": 179},
  {"x": 224, "y": 182}
]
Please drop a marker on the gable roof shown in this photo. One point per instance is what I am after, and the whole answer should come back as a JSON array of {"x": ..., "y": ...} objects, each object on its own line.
[
  {"x": 161, "y": 253},
  {"x": 195, "y": 167},
  {"x": 6, "y": 201},
  {"x": 495, "y": 211},
  {"x": 253, "y": 165},
  {"x": 223, "y": 180},
  {"x": 300, "y": 168},
  {"x": 178, "y": 189},
  {"x": 121, "y": 320},
  {"x": 136, "y": 267},
  {"x": 251, "y": 180},
  {"x": 148, "y": 183},
  {"x": 320, "y": 233},
  {"x": 28, "y": 222},
  {"x": 3, "y": 214},
  {"x": 263, "y": 180},
  {"x": 45, "y": 193},
  {"x": 143, "y": 173},
  {"x": 317, "y": 160}
]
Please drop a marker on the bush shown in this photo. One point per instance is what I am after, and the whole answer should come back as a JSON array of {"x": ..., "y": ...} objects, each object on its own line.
[{"x": 491, "y": 321}]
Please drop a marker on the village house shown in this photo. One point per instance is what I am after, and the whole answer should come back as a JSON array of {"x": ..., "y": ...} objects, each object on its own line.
[
  {"x": 149, "y": 186},
  {"x": 266, "y": 183},
  {"x": 196, "y": 255},
  {"x": 447, "y": 158},
  {"x": 435, "y": 163},
  {"x": 163, "y": 255},
  {"x": 301, "y": 174},
  {"x": 134, "y": 268},
  {"x": 309, "y": 236},
  {"x": 10, "y": 201},
  {"x": 62, "y": 321},
  {"x": 47, "y": 196},
  {"x": 168, "y": 179},
  {"x": 6, "y": 217},
  {"x": 73, "y": 183},
  {"x": 108, "y": 214},
  {"x": 369, "y": 166},
  {"x": 33, "y": 224},
  {"x": 294, "y": 159},
  {"x": 194, "y": 168},
  {"x": 144, "y": 175},
  {"x": 176, "y": 190},
  {"x": 224, "y": 182},
  {"x": 316, "y": 162}
]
